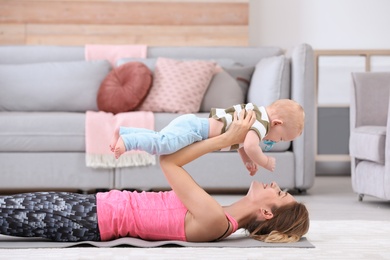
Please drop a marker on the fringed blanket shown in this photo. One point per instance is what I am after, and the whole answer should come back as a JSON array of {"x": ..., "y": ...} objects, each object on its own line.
[
  {"x": 99, "y": 131},
  {"x": 113, "y": 53}
]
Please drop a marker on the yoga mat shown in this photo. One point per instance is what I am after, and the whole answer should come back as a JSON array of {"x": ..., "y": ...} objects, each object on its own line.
[{"x": 235, "y": 240}]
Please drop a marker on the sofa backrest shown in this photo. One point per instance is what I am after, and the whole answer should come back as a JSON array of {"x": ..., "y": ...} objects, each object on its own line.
[
  {"x": 69, "y": 86},
  {"x": 35, "y": 54},
  {"x": 270, "y": 80},
  {"x": 247, "y": 56}
]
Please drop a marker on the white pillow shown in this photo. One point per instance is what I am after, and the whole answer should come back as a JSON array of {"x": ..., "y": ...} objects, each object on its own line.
[{"x": 270, "y": 81}]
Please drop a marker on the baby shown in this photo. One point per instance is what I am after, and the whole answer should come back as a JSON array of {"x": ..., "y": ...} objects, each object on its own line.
[{"x": 283, "y": 120}]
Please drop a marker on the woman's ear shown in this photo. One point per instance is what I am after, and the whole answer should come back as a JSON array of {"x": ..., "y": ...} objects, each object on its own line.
[{"x": 266, "y": 214}]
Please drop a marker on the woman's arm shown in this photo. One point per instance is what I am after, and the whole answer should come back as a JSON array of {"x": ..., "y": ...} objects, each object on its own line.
[{"x": 206, "y": 212}]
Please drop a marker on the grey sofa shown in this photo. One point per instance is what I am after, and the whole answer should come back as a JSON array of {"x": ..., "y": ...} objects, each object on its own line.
[
  {"x": 368, "y": 145},
  {"x": 42, "y": 136}
]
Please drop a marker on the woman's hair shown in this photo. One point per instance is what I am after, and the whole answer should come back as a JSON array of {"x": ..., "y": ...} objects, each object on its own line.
[
  {"x": 291, "y": 113},
  {"x": 289, "y": 223}
]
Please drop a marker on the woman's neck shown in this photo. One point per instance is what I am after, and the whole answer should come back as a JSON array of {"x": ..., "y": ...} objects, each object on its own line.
[{"x": 242, "y": 211}]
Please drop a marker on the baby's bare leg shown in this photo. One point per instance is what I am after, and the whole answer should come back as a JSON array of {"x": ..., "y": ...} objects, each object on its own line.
[
  {"x": 114, "y": 139},
  {"x": 119, "y": 148},
  {"x": 215, "y": 127}
]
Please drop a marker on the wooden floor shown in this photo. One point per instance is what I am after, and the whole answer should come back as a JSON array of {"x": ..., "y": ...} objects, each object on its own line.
[{"x": 341, "y": 227}]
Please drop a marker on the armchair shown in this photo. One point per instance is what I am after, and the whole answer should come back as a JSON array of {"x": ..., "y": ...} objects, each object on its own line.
[{"x": 369, "y": 124}]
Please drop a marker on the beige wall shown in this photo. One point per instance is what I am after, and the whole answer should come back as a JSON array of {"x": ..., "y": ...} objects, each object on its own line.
[{"x": 158, "y": 22}]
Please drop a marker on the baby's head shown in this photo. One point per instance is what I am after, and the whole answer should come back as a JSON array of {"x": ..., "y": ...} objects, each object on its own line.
[{"x": 287, "y": 119}]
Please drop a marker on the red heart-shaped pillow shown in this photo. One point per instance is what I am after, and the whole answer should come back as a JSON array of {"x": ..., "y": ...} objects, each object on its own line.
[{"x": 124, "y": 88}]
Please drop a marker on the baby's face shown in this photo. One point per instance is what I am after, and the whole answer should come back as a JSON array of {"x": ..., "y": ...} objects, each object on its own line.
[{"x": 279, "y": 133}]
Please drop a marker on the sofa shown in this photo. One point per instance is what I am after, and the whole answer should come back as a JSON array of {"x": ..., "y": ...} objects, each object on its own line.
[
  {"x": 45, "y": 92},
  {"x": 369, "y": 122}
]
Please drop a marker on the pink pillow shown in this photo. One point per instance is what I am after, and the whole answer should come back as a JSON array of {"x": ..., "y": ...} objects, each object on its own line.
[
  {"x": 178, "y": 86},
  {"x": 124, "y": 88}
]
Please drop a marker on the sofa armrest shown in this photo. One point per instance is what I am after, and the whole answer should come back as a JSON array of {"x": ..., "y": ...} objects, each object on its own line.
[
  {"x": 370, "y": 96},
  {"x": 387, "y": 145},
  {"x": 370, "y": 107},
  {"x": 303, "y": 91}
]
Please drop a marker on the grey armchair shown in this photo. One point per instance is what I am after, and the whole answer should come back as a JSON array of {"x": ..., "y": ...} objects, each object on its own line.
[{"x": 370, "y": 124}]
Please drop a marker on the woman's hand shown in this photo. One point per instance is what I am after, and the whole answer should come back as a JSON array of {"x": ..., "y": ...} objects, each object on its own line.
[{"x": 239, "y": 127}]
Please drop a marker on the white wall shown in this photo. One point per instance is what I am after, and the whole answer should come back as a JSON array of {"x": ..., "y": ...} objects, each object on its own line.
[{"x": 324, "y": 24}]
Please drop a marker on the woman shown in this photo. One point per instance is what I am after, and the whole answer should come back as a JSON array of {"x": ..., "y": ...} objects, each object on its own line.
[{"x": 186, "y": 213}]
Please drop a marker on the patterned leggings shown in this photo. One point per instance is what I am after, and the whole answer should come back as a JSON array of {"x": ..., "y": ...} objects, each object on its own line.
[{"x": 59, "y": 216}]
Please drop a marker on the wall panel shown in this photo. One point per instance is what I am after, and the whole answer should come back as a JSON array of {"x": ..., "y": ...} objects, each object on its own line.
[{"x": 175, "y": 23}]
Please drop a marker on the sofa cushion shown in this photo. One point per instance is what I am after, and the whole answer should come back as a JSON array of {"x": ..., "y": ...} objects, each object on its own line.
[
  {"x": 55, "y": 86},
  {"x": 223, "y": 91},
  {"x": 124, "y": 88},
  {"x": 178, "y": 86},
  {"x": 243, "y": 75},
  {"x": 42, "y": 132},
  {"x": 368, "y": 143},
  {"x": 270, "y": 81},
  {"x": 227, "y": 88}
]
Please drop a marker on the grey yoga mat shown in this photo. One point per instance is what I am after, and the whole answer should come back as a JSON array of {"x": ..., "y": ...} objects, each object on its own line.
[{"x": 235, "y": 240}]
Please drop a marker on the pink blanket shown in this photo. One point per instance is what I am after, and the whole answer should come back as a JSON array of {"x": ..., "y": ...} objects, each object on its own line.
[
  {"x": 99, "y": 131},
  {"x": 113, "y": 53}
]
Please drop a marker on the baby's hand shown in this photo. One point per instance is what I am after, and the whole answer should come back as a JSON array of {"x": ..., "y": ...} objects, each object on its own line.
[
  {"x": 270, "y": 164},
  {"x": 251, "y": 167}
]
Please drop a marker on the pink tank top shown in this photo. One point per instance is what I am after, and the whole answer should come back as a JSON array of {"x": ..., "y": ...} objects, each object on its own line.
[{"x": 147, "y": 215}]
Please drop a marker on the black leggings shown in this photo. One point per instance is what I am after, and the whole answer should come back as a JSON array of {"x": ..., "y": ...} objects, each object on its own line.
[{"x": 59, "y": 216}]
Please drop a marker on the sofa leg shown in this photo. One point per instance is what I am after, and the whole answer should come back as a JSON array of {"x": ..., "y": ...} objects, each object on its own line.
[
  {"x": 101, "y": 190},
  {"x": 361, "y": 197}
]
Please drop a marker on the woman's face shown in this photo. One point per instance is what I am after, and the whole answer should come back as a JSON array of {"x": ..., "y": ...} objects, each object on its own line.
[{"x": 269, "y": 195}]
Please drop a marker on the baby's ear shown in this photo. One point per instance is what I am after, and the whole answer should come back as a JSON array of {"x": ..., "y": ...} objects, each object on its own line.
[{"x": 276, "y": 122}]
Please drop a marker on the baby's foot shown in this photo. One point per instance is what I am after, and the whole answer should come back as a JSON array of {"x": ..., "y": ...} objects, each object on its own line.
[
  {"x": 114, "y": 140},
  {"x": 119, "y": 148}
]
